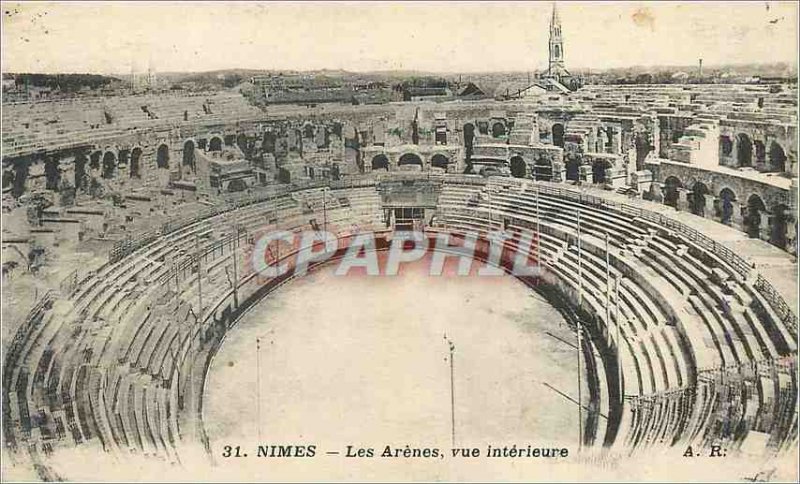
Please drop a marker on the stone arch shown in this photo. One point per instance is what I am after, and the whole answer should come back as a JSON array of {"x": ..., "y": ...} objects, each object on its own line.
[
  {"x": 498, "y": 129},
  {"x": 380, "y": 162},
  {"x": 94, "y": 160},
  {"x": 162, "y": 156},
  {"x": 543, "y": 168},
  {"x": 755, "y": 210},
  {"x": 777, "y": 157},
  {"x": 136, "y": 155},
  {"x": 439, "y": 161},
  {"x": 123, "y": 159},
  {"x": 699, "y": 193},
  {"x": 744, "y": 150},
  {"x": 727, "y": 202},
  {"x": 409, "y": 159},
  {"x": 671, "y": 191},
  {"x": 188, "y": 154},
  {"x": 109, "y": 164},
  {"x": 309, "y": 131},
  {"x": 725, "y": 145},
  {"x": 518, "y": 167},
  {"x": 558, "y": 134},
  {"x": 19, "y": 181},
  {"x": 778, "y": 224},
  {"x": 215, "y": 144},
  {"x": 52, "y": 172}
]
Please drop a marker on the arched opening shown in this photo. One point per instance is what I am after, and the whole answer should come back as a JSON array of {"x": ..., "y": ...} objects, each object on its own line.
[
  {"x": 109, "y": 165},
  {"x": 162, "y": 156},
  {"x": 755, "y": 210},
  {"x": 698, "y": 206},
  {"x": 777, "y": 157},
  {"x": 124, "y": 157},
  {"x": 671, "y": 194},
  {"x": 518, "y": 167},
  {"x": 80, "y": 170},
  {"x": 215, "y": 144},
  {"x": 20, "y": 177},
  {"x": 308, "y": 131},
  {"x": 777, "y": 226},
  {"x": 94, "y": 160},
  {"x": 725, "y": 145},
  {"x": 188, "y": 154},
  {"x": 599, "y": 168},
  {"x": 136, "y": 155},
  {"x": 543, "y": 169},
  {"x": 52, "y": 172},
  {"x": 498, "y": 130},
  {"x": 380, "y": 162},
  {"x": 558, "y": 134},
  {"x": 727, "y": 201},
  {"x": 409, "y": 159},
  {"x": 439, "y": 161},
  {"x": 761, "y": 151},
  {"x": 744, "y": 150},
  {"x": 573, "y": 168}
]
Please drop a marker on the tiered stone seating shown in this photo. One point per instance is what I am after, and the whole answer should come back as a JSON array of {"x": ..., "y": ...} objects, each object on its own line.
[
  {"x": 31, "y": 125},
  {"x": 663, "y": 405},
  {"x": 700, "y": 350},
  {"x": 126, "y": 405}
]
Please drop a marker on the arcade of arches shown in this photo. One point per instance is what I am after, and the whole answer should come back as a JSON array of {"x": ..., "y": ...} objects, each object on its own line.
[{"x": 769, "y": 222}]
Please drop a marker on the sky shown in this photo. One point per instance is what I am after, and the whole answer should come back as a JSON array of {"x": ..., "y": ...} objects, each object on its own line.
[{"x": 111, "y": 37}]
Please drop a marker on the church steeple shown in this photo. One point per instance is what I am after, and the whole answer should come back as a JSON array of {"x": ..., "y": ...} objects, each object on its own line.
[{"x": 556, "y": 66}]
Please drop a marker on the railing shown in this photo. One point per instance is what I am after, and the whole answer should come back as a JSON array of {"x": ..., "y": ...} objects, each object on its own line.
[
  {"x": 777, "y": 302},
  {"x": 35, "y": 316}
]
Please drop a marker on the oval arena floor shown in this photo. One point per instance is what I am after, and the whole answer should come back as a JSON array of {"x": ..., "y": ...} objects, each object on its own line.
[{"x": 336, "y": 378}]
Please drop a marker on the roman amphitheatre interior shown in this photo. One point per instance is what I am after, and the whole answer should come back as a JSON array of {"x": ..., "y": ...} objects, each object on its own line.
[{"x": 137, "y": 334}]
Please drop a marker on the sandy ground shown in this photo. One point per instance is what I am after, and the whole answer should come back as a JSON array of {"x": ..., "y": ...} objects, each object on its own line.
[{"x": 363, "y": 361}]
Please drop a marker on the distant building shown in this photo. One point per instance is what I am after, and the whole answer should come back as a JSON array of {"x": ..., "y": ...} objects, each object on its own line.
[
  {"x": 471, "y": 91},
  {"x": 427, "y": 94}
]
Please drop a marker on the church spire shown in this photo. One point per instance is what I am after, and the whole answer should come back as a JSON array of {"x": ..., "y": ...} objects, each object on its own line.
[{"x": 556, "y": 65}]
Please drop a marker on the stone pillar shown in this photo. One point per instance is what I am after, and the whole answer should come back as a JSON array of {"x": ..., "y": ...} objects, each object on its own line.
[
  {"x": 559, "y": 172},
  {"x": 711, "y": 207},
  {"x": 738, "y": 215},
  {"x": 791, "y": 235},
  {"x": 616, "y": 142},
  {"x": 684, "y": 198},
  {"x": 764, "y": 226}
]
